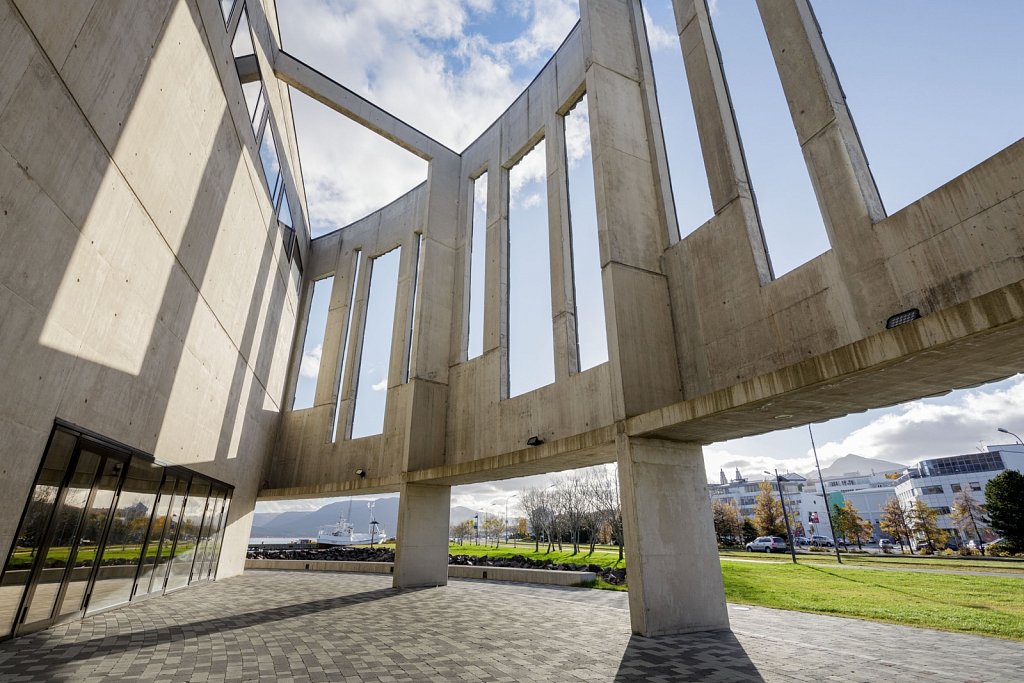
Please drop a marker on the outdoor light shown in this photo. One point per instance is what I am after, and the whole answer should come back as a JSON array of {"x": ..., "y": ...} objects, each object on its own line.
[
  {"x": 1007, "y": 431},
  {"x": 902, "y": 318},
  {"x": 360, "y": 473},
  {"x": 534, "y": 441}
]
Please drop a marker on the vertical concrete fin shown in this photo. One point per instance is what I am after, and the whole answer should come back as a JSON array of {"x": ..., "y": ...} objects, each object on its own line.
[{"x": 421, "y": 552}]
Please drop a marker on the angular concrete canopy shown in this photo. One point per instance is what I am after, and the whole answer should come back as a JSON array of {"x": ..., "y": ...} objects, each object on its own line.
[{"x": 148, "y": 292}]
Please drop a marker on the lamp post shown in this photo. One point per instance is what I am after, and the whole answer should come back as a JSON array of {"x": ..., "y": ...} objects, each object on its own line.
[
  {"x": 785, "y": 517},
  {"x": 476, "y": 527},
  {"x": 514, "y": 495},
  {"x": 1007, "y": 431},
  {"x": 824, "y": 497}
]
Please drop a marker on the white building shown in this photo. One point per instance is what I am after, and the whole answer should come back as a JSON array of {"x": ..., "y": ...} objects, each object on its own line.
[{"x": 937, "y": 481}]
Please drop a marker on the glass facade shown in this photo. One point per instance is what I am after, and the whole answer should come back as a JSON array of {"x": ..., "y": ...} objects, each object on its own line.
[{"x": 104, "y": 525}]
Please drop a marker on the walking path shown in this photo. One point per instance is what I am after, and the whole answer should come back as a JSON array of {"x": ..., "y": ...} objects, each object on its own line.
[{"x": 292, "y": 626}]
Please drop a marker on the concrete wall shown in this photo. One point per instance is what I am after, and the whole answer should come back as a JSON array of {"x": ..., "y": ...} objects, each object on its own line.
[{"x": 144, "y": 291}]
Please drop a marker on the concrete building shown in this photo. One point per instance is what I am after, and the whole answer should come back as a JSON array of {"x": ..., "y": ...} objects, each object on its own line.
[
  {"x": 937, "y": 481},
  {"x": 743, "y": 493},
  {"x": 156, "y": 277}
]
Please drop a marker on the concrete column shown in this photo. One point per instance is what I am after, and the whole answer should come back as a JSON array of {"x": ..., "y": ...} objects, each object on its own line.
[
  {"x": 563, "y": 293},
  {"x": 675, "y": 580},
  {"x": 421, "y": 556},
  {"x": 630, "y": 218}
]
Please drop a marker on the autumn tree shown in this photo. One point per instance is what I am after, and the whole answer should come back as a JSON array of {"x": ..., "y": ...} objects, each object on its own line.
[
  {"x": 847, "y": 522},
  {"x": 924, "y": 521},
  {"x": 728, "y": 522},
  {"x": 461, "y": 530},
  {"x": 969, "y": 517},
  {"x": 1004, "y": 499},
  {"x": 894, "y": 522},
  {"x": 768, "y": 512},
  {"x": 749, "y": 531},
  {"x": 493, "y": 528}
]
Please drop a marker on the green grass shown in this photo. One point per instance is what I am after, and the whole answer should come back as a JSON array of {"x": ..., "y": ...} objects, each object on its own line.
[
  {"x": 1006, "y": 565},
  {"x": 599, "y": 557},
  {"x": 984, "y": 605}
]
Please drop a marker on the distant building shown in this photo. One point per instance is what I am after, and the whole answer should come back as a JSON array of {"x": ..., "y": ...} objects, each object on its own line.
[{"x": 936, "y": 481}]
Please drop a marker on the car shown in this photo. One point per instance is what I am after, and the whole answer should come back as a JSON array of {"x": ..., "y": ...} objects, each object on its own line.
[
  {"x": 801, "y": 540},
  {"x": 767, "y": 544},
  {"x": 822, "y": 542},
  {"x": 885, "y": 545}
]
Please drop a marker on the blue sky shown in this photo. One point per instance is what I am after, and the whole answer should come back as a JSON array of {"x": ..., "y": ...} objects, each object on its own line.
[{"x": 935, "y": 87}]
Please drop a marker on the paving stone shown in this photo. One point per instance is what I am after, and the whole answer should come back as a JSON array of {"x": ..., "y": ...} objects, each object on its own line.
[{"x": 281, "y": 626}]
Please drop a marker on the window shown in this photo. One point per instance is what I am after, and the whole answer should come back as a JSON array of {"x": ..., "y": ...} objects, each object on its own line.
[
  {"x": 531, "y": 358},
  {"x": 931, "y": 490},
  {"x": 313, "y": 344},
  {"x": 477, "y": 267},
  {"x": 343, "y": 353},
  {"x": 375, "y": 357},
  {"x": 975, "y": 486},
  {"x": 591, "y": 337},
  {"x": 955, "y": 487}
]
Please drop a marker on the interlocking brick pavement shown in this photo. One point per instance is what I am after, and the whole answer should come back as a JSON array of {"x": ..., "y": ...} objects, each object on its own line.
[{"x": 281, "y": 626}]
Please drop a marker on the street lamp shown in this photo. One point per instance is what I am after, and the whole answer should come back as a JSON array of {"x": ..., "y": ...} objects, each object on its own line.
[
  {"x": 824, "y": 496},
  {"x": 476, "y": 526},
  {"x": 785, "y": 517},
  {"x": 1007, "y": 431},
  {"x": 514, "y": 495}
]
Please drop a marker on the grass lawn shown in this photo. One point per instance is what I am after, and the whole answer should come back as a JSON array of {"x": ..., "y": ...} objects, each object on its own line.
[
  {"x": 984, "y": 605},
  {"x": 601, "y": 558},
  {"x": 1007, "y": 565}
]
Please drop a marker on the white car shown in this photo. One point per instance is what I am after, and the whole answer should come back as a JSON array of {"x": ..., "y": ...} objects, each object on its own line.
[{"x": 767, "y": 544}]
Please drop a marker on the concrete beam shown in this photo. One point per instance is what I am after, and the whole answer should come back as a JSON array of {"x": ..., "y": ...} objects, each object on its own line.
[{"x": 311, "y": 82}]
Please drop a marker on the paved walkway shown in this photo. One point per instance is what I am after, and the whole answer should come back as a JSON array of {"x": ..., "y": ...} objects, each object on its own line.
[{"x": 281, "y": 626}]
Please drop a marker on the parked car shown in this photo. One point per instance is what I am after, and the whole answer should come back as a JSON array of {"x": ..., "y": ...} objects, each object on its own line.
[
  {"x": 801, "y": 540},
  {"x": 885, "y": 545},
  {"x": 768, "y": 544},
  {"x": 822, "y": 542}
]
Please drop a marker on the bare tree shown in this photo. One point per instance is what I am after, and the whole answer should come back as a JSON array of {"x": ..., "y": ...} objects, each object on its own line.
[
  {"x": 604, "y": 489},
  {"x": 573, "y": 501},
  {"x": 536, "y": 509},
  {"x": 969, "y": 516},
  {"x": 494, "y": 527}
]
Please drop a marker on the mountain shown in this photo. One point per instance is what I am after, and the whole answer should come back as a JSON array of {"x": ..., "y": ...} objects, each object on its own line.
[
  {"x": 306, "y": 523},
  {"x": 854, "y": 465}
]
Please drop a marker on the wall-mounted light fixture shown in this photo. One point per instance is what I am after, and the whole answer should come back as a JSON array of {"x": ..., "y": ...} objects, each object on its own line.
[
  {"x": 534, "y": 441},
  {"x": 902, "y": 318},
  {"x": 360, "y": 473}
]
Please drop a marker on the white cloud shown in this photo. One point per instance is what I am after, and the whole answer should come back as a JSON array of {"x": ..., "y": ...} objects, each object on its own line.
[
  {"x": 424, "y": 61},
  {"x": 659, "y": 37},
  {"x": 310, "y": 365},
  {"x": 381, "y": 385}
]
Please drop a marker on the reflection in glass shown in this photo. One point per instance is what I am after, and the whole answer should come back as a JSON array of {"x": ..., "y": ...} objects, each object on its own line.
[
  {"x": 204, "y": 538},
  {"x": 64, "y": 529},
  {"x": 29, "y": 539},
  {"x": 157, "y": 526},
  {"x": 163, "y": 557},
  {"x": 88, "y": 546},
  {"x": 188, "y": 533},
  {"x": 128, "y": 525},
  {"x": 219, "y": 541}
]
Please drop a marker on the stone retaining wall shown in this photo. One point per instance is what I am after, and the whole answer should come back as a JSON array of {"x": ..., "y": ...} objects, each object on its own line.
[{"x": 543, "y": 576}]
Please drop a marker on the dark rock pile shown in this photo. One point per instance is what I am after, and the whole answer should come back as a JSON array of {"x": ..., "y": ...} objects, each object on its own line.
[{"x": 355, "y": 553}]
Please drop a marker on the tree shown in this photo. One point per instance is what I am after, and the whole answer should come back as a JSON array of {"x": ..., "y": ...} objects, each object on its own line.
[
  {"x": 728, "y": 522},
  {"x": 924, "y": 521},
  {"x": 535, "y": 506},
  {"x": 894, "y": 522},
  {"x": 573, "y": 502},
  {"x": 847, "y": 522},
  {"x": 768, "y": 512},
  {"x": 1004, "y": 498},
  {"x": 969, "y": 517},
  {"x": 493, "y": 528},
  {"x": 749, "y": 531},
  {"x": 462, "y": 530},
  {"x": 607, "y": 507}
]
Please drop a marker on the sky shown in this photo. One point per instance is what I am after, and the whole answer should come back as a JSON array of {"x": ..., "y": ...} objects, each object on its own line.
[{"x": 934, "y": 86}]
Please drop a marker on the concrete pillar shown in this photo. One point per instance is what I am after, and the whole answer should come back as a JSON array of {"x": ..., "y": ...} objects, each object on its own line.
[
  {"x": 421, "y": 556},
  {"x": 675, "y": 580}
]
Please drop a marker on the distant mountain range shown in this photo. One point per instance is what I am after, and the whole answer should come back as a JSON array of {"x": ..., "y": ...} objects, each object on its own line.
[
  {"x": 306, "y": 523},
  {"x": 853, "y": 465}
]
